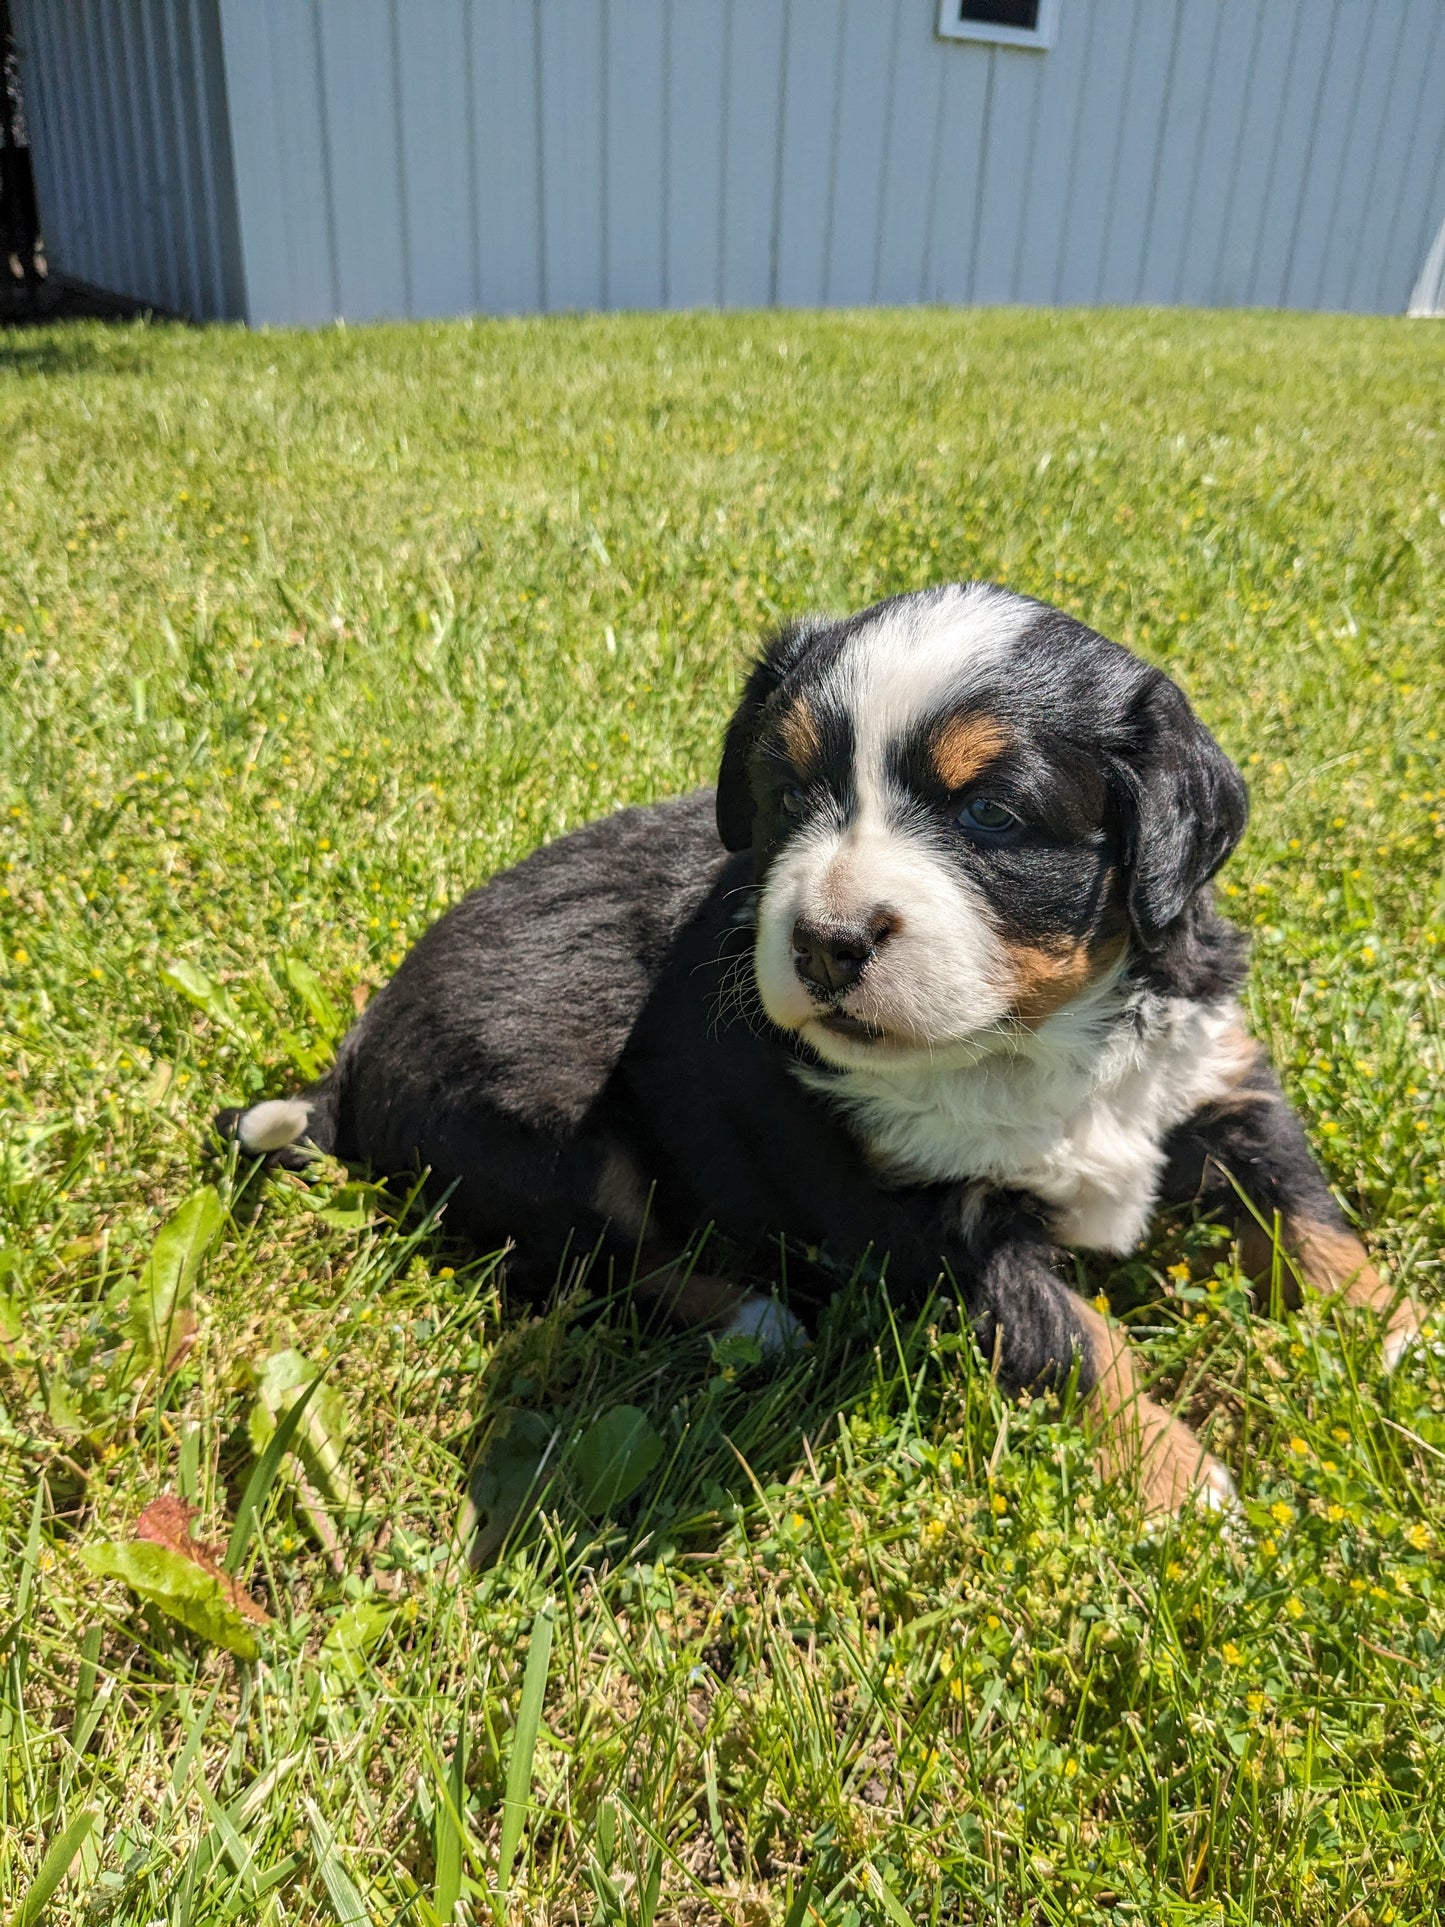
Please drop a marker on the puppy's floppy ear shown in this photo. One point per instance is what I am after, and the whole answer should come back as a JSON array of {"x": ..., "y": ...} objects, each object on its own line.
[
  {"x": 735, "y": 804},
  {"x": 1183, "y": 805}
]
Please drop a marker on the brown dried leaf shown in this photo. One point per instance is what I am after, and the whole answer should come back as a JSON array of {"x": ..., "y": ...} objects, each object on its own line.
[{"x": 167, "y": 1522}]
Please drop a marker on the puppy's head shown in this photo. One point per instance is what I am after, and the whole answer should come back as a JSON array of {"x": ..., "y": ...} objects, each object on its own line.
[{"x": 966, "y": 809}]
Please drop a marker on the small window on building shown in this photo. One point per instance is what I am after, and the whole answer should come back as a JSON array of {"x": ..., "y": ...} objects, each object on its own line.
[{"x": 1008, "y": 23}]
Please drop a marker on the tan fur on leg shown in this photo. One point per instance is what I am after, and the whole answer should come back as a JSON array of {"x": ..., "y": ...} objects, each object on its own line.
[
  {"x": 1139, "y": 1442},
  {"x": 1331, "y": 1260},
  {"x": 691, "y": 1297}
]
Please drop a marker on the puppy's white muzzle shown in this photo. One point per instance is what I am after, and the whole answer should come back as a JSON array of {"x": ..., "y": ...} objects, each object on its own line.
[{"x": 940, "y": 975}]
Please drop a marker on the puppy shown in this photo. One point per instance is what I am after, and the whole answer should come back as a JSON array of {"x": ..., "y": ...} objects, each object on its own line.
[{"x": 934, "y": 982}]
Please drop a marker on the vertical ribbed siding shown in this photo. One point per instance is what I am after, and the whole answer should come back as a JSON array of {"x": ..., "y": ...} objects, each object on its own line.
[
  {"x": 132, "y": 150},
  {"x": 392, "y": 157}
]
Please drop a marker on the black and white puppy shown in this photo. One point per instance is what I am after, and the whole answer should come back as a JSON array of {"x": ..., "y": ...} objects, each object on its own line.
[{"x": 934, "y": 982}]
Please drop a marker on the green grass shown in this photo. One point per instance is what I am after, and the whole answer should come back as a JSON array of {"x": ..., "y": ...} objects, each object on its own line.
[{"x": 302, "y": 636}]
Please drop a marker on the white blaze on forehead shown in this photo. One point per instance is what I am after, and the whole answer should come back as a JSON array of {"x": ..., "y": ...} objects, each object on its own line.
[
  {"x": 916, "y": 660},
  {"x": 942, "y": 974}
]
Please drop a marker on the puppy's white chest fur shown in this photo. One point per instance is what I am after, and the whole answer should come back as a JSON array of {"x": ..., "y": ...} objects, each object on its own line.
[{"x": 1077, "y": 1113}]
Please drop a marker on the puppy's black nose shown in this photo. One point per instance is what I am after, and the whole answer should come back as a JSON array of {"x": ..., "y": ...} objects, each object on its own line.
[{"x": 831, "y": 956}]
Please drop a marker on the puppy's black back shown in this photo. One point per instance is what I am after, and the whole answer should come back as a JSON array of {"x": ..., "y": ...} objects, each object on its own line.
[{"x": 485, "y": 1059}]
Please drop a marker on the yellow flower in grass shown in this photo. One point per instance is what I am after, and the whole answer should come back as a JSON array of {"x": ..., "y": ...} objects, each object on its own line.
[
  {"x": 1230, "y": 1653},
  {"x": 999, "y": 1504},
  {"x": 1282, "y": 1514},
  {"x": 1295, "y": 1608}
]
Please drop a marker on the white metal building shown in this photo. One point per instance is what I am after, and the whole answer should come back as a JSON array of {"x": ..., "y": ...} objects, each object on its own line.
[{"x": 296, "y": 160}]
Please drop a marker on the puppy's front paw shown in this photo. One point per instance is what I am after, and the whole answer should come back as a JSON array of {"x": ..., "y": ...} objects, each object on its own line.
[
  {"x": 1215, "y": 1489},
  {"x": 772, "y": 1324},
  {"x": 1402, "y": 1335},
  {"x": 1166, "y": 1464}
]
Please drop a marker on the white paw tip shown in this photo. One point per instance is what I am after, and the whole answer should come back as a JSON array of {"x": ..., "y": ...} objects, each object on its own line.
[
  {"x": 1403, "y": 1339},
  {"x": 1217, "y": 1491},
  {"x": 272, "y": 1125},
  {"x": 772, "y": 1324}
]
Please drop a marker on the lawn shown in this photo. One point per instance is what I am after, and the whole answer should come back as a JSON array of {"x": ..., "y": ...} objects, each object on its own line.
[{"x": 305, "y": 634}]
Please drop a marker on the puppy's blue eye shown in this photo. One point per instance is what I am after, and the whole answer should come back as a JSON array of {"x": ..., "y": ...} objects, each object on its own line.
[
  {"x": 793, "y": 802},
  {"x": 984, "y": 814}
]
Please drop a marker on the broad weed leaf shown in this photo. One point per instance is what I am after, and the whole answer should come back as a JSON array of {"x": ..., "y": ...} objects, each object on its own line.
[
  {"x": 179, "y": 1588},
  {"x": 160, "y": 1319},
  {"x": 307, "y": 985},
  {"x": 193, "y": 983},
  {"x": 351, "y": 1638},
  {"x": 508, "y": 1481},
  {"x": 316, "y": 1465},
  {"x": 613, "y": 1456}
]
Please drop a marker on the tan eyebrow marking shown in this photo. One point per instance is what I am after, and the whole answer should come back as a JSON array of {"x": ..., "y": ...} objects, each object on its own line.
[
  {"x": 798, "y": 734},
  {"x": 964, "y": 745}
]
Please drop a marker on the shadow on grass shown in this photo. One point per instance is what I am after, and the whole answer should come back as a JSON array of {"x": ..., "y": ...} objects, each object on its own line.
[
  {"x": 596, "y": 1424},
  {"x": 628, "y": 1441},
  {"x": 75, "y": 351}
]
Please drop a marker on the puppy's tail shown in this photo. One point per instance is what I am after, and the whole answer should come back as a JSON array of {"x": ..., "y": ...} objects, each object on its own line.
[{"x": 289, "y": 1131}]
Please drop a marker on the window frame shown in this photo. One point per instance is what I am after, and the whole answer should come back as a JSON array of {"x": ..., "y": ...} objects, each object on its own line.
[{"x": 1039, "y": 37}]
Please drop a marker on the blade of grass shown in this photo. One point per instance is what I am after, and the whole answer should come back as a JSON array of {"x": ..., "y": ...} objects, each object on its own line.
[
  {"x": 59, "y": 1857},
  {"x": 524, "y": 1744},
  {"x": 451, "y": 1799},
  {"x": 264, "y": 1476},
  {"x": 232, "y": 1845},
  {"x": 798, "y": 1912},
  {"x": 884, "y": 1894},
  {"x": 346, "y": 1903},
  {"x": 195, "y": 1732}
]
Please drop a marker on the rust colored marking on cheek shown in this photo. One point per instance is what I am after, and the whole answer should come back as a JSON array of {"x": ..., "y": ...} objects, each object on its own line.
[
  {"x": 1240, "y": 1057},
  {"x": 798, "y": 734},
  {"x": 1045, "y": 979},
  {"x": 964, "y": 745}
]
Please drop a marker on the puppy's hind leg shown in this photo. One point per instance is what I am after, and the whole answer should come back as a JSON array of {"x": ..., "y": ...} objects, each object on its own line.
[
  {"x": 288, "y": 1131},
  {"x": 681, "y": 1293},
  {"x": 697, "y": 1298}
]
